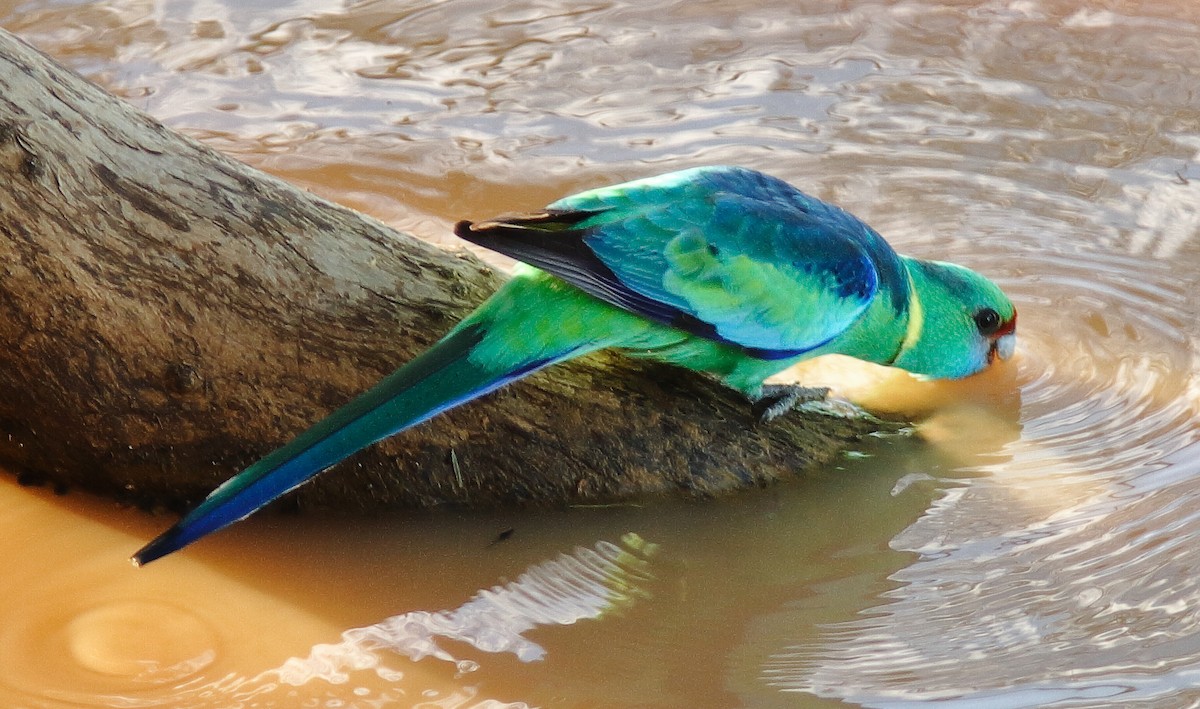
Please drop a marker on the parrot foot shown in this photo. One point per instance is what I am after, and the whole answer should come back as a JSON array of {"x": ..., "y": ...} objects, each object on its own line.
[{"x": 778, "y": 399}]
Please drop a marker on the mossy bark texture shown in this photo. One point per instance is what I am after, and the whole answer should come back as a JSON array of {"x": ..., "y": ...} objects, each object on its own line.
[{"x": 170, "y": 314}]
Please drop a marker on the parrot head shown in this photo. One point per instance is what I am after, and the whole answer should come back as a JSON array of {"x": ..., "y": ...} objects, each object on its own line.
[{"x": 959, "y": 322}]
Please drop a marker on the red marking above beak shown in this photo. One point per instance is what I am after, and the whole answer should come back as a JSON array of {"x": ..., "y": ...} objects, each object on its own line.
[{"x": 1007, "y": 328}]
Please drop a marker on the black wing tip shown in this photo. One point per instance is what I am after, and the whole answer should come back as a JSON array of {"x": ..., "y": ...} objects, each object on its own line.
[
  {"x": 165, "y": 543},
  {"x": 545, "y": 221},
  {"x": 464, "y": 229}
]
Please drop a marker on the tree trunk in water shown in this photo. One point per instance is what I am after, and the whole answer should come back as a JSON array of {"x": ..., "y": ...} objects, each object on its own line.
[{"x": 171, "y": 315}]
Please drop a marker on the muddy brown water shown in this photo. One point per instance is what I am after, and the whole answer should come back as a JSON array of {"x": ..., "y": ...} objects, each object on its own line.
[{"x": 1034, "y": 543}]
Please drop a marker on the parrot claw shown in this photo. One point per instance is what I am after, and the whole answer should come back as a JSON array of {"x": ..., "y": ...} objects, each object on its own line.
[{"x": 778, "y": 399}]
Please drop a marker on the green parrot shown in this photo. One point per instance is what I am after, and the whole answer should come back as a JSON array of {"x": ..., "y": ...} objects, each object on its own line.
[{"x": 722, "y": 270}]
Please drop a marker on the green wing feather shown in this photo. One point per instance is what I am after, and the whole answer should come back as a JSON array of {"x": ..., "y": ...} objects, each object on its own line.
[{"x": 724, "y": 253}]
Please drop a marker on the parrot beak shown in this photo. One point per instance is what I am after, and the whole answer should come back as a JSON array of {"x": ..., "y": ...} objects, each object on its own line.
[{"x": 1005, "y": 343}]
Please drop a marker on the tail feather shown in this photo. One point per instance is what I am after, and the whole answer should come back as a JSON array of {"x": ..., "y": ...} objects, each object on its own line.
[{"x": 437, "y": 380}]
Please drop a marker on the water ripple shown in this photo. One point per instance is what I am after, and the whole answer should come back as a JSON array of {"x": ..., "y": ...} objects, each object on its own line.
[
  {"x": 1067, "y": 574},
  {"x": 142, "y": 654},
  {"x": 1052, "y": 147},
  {"x": 582, "y": 585}
]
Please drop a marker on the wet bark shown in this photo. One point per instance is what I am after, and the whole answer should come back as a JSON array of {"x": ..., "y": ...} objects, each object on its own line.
[{"x": 170, "y": 314}]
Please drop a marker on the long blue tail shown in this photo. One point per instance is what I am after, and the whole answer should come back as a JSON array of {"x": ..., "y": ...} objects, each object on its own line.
[{"x": 440, "y": 378}]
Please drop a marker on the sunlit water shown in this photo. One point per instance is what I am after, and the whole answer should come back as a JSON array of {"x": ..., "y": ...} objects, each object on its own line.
[{"x": 1035, "y": 544}]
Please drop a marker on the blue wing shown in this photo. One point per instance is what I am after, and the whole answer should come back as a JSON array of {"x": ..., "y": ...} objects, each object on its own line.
[{"x": 722, "y": 252}]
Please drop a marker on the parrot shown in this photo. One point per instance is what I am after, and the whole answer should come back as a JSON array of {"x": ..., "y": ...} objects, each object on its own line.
[{"x": 719, "y": 269}]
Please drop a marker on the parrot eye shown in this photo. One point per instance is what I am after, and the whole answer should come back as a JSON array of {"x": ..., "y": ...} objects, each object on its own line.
[{"x": 987, "y": 320}]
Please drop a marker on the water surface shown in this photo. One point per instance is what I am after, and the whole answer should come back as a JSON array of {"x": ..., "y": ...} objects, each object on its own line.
[{"x": 1034, "y": 544}]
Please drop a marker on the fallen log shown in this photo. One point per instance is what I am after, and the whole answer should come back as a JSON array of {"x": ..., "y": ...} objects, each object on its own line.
[{"x": 171, "y": 314}]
